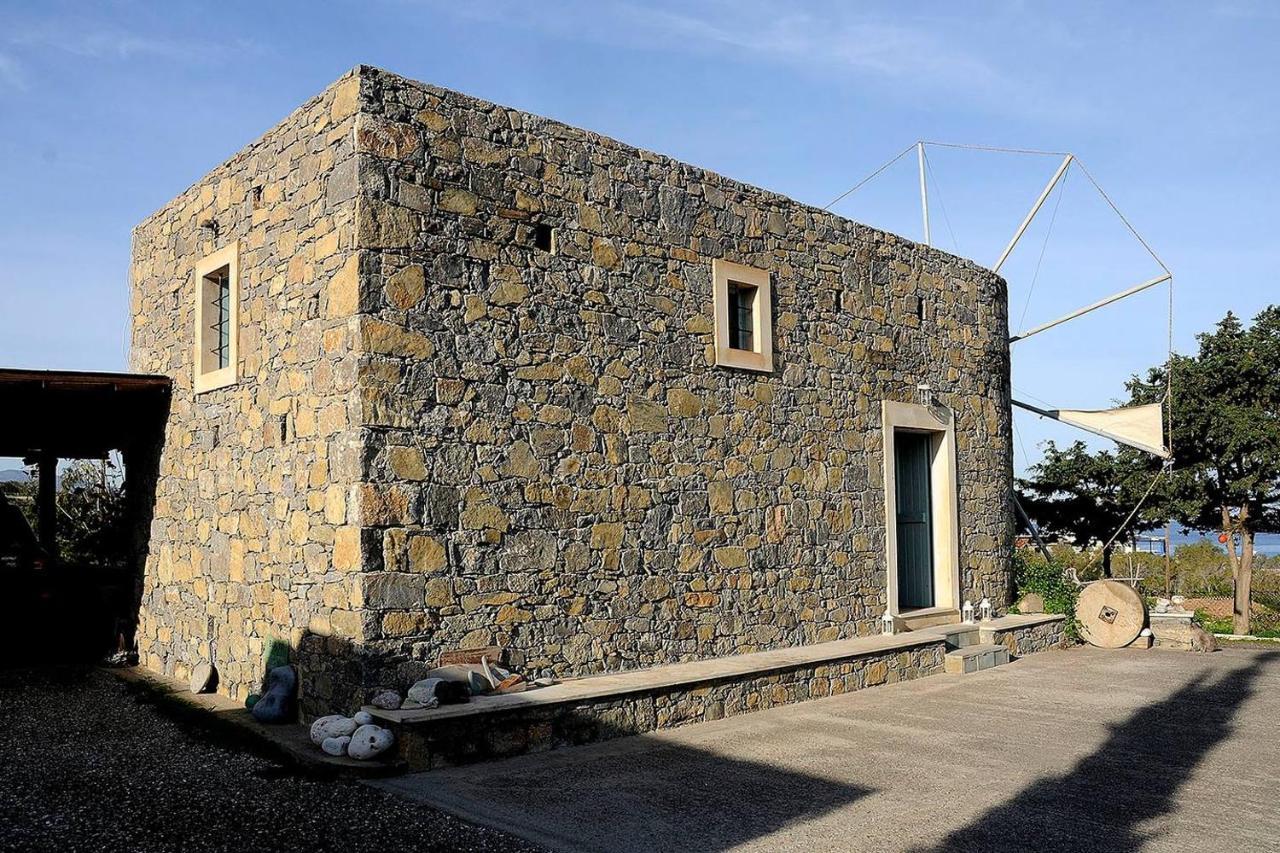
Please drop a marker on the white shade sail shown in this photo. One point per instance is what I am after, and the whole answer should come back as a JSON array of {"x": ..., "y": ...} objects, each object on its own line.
[{"x": 1137, "y": 426}]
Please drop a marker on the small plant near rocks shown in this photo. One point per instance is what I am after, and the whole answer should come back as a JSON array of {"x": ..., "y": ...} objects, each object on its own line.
[{"x": 1032, "y": 573}]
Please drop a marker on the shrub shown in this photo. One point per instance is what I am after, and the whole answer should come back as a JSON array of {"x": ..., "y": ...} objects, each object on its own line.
[{"x": 1047, "y": 579}]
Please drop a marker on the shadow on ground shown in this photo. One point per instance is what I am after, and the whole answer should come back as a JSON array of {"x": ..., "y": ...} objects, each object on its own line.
[
  {"x": 673, "y": 797},
  {"x": 1101, "y": 804}
]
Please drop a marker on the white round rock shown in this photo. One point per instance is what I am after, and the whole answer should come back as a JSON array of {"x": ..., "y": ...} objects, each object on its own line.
[
  {"x": 336, "y": 746},
  {"x": 369, "y": 742},
  {"x": 334, "y": 725}
]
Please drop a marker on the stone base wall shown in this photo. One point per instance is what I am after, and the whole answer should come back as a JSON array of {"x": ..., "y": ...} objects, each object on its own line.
[
  {"x": 1029, "y": 640},
  {"x": 501, "y": 735},
  {"x": 1171, "y": 630}
]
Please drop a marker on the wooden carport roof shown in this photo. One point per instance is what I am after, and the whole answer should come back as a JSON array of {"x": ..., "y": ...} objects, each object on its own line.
[{"x": 78, "y": 414}]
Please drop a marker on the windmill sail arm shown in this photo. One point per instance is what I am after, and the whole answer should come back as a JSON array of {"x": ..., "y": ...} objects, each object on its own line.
[
  {"x": 1035, "y": 208},
  {"x": 1101, "y": 303},
  {"x": 1141, "y": 427}
]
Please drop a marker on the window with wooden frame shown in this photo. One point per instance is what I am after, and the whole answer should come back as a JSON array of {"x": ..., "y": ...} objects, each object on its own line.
[
  {"x": 217, "y": 301},
  {"x": 743, "y": 305}
]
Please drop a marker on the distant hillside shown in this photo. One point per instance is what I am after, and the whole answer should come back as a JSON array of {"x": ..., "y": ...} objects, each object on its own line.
[{"x": 14, "y": 475}]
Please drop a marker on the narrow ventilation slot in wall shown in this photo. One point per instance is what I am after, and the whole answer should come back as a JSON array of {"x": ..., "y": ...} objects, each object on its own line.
[{"x": 544, "y": 237}]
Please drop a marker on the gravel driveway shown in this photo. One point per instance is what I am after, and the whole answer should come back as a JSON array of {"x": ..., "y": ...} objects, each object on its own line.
[{"x": 86, "y": 765}]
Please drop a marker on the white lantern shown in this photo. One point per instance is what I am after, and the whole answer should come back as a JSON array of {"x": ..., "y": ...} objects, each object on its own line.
[
  {"x": 985, "y": 607},
  {"x": 967, "y": 610},
  {"x": 886, "y": 623}
]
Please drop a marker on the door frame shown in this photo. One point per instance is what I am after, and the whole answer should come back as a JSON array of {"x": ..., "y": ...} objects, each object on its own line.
[{"x": 944, "y": 503}]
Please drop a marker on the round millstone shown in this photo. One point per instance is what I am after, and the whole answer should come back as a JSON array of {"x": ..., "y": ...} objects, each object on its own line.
[{"x": 1110, "y": 613}]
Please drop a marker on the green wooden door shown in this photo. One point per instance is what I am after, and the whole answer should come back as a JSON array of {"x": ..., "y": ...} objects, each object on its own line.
[{"x": 915, "y": 520}]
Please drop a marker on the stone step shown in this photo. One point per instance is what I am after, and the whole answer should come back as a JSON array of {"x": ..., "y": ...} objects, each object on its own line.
[
  {"x": 974, "y": 658},
  {"x": 960, "y": 636}
]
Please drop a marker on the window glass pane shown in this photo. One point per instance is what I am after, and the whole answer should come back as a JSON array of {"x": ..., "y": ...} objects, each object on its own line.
[{"x": 742, "y": 301}]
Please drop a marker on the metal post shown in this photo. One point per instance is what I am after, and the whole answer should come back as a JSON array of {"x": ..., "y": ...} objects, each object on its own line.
[
  {"x": 1035, "y": 208},
  {"x": 924, "y": 193},
  {"x": 1168, "y": 559},
  {"x": 47, "y": 501},
  {"x": 1031, "y": 528}
]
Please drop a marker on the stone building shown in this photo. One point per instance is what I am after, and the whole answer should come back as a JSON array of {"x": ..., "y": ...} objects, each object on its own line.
[{"x": 448, "y": 374}]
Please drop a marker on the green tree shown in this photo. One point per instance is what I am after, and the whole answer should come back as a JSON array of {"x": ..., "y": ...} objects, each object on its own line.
[
  {"x": 93, "y": 524},
  {"x": 1226, "y": 439},
  {"x": 1085, "y": 496}
]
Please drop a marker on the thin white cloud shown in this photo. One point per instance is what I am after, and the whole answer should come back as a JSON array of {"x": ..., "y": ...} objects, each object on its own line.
[
  {"x": 806, "y": 38},
  {"x": 11, "y": 76},
  {"x": 114, "y": 44},
  {"x": 934, "y": 57}
]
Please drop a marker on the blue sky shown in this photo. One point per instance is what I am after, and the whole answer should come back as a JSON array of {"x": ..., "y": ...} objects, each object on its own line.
[{"x": 107, "y": 110}]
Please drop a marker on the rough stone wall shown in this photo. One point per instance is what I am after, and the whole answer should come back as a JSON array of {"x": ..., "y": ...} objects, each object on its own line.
[
  {"x": 250, "y": 539},
  {"x": 553, "y": 461}
]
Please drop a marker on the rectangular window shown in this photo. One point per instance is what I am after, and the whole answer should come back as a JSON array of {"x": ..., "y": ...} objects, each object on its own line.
[
  {"x": 743, "y": 306},
  {"x": 742, "y": 301},
  {"x": 217, "y": 308}
]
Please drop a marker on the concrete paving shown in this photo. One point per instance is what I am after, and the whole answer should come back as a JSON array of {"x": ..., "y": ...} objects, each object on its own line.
[{"x": 1079, "y": 750}]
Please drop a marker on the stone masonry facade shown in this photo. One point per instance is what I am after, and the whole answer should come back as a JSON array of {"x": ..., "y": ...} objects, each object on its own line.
[{"x": 444, "y": 435}]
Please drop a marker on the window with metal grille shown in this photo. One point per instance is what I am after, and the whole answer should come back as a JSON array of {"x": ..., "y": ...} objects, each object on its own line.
[
  {"x": 742, "y": 306},
  {"x": 220, "y": 339},
  {"x": 217, "y": 304}
]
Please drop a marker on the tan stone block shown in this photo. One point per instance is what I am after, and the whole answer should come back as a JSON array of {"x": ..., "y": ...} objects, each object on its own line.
[
  {"x": 700, "y": 599},
  {"x": 393, "y": 140},
  {"x": 720, "y": 496},
  {"x": 299, "y": 527},
  {"x": 510, "y": 288},
  {"x": 426, "y": 553},
  {"x": 475, "y": 308},
  {"x": 460, "y": 201},
  {"x": 344, "y": 289},
  {"x": 645, "y": 415},
  {"x": 683, "y": 403},
  {"x": 484, "y": 516},
  {"x": 406, "y": 288},
  {"x": 383, "y": 506},
  {"x": 383, "y": 225},
  {"x": 433, "y": 120},
  {"x": 607, "y": 534},
  {"x": 521, "y": 462},
  {"x": 508, "y": 614},
  {"x": 346, "y": 623},
  {"x": 404, "y": 623},
  {"x": 877, "y": 673},
  {"x": 390, "y": 339},
  {"x": 450, "y": 391},
  {"x": 406, "y": 463},
  {"x": 730, "y": 557},
  {"x": 439, "y": 592},
  {"x": 346, "y": 99},
  {"x": 604, "y": 253}
]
